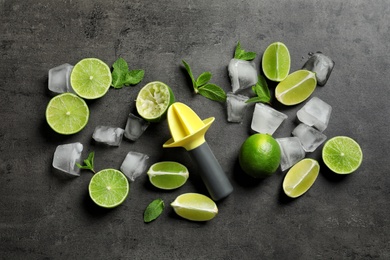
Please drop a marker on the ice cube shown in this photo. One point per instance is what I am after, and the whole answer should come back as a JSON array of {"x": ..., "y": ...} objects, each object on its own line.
[
  {"x": 321, "y": 65},
  {"x": 134, "y": 165},
  {"x": 66, "y": 156},
  {"x": 59, "y": 79},
  {"x": 309, "y": 137},
  {"x": 242, "y": 74},
  {"x": 266, "y": 119},
  {"x": 315, "y": 113},
  {"x": 135, "y": 127},
  {"x": 236, "y": 107},
  {"x": 292, "y": 151},
  {"x": 108, "y": 135}
]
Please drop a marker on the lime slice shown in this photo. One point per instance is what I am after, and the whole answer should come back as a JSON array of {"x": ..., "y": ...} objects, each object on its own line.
[
  {"x": 300, "y": 177},
  {"x": 90, "y": 78},
  {"x": 153, "y": 101},
  {"x": 296, "y": 88},
  {"x": 108, "y": 188},
  {"x": 342, "y": 154},
  {"x": 67, "y": 113},
  {"x": 167, "y": 175},
  {"x": 276, "y": 61},
  {"x": 195, "y": 207}
]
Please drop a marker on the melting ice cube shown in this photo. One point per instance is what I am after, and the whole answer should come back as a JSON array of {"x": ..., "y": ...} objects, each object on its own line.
[
  {"x": 266, "y": 119},
  {"x": 242, "y": 74},
  {"x": 108, "y": 135},
  {"x": 135, "y": 127},
  {"x": 59, "y": 79},
  {"x": 309, "y": 137},
  {"x": 66, "y": 156},
  {"x": 292, "y": 151},
  {"x": 315, "y": 113},
  {"x": 321, "y": 65},
  {"x": 236, "y": 107},
  {"x": 134, "y": 165}
]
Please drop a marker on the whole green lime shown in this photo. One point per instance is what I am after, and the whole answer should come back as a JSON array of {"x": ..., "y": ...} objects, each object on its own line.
[{"x": 260, "y": 155}]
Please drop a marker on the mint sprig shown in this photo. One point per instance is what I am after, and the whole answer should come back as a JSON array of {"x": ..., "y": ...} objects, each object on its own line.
[
  {"x": 261, "y": 90},
  {"x": 153, "y": 210},
  {"x": 202, "y": 86},
  {"x": 122, "y": 76},
  {"x": 241, "y": 54},
  {"x": 88, "y": 163}
]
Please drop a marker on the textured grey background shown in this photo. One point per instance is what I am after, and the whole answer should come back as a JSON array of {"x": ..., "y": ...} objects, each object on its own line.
[{"x": 46, "y": 216}]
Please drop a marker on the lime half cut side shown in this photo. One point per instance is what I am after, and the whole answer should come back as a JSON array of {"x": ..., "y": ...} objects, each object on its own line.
[
  {"x": 195, "y": 207},
  {"x": 167, "y": 175},
  {"x": 91, "y": 78},
  {"x": 342, "y": 155},
  {"x": 109, "y": 188},
  {"x": 276, "y": 61},
  {"x": 153, "y": 101},
  {"x": 67, "y": 113},
  {"x": 300, "y": 177}
]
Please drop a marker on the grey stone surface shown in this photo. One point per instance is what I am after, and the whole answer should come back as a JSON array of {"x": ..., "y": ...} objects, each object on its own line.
[{"x": 46, "y": 216}]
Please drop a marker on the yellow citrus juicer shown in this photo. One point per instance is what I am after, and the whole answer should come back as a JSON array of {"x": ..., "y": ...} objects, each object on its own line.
[{"x": 188, "y": 131}]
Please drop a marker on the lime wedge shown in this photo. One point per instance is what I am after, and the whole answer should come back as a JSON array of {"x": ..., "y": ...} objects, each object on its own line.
[
  {"x": 296, "y": 88},
  {"x": 67, "y": 113},
  {"x": 300, "y": 177},
  {"x": 153, "y": 101},
  {"x": 167, "y": 175},
  {"x": 108, "y": 188},
  {"x": 342, "y": 154},
  {"x": 276, "y": 62},
  {"x": 90, "y": 78},
  {"x": 195, "y": 207}
]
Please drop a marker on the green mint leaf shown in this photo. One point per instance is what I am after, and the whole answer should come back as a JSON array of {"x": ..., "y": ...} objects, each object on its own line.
[
  {"x": 120, "y": 69},
  {"x": 203, "y": 79},
  {"x": 133, "y": 77},
  {"x": 153, "y": 210},
  {"x": 188, "y": 68},
  {"x": 261, "y": 90},
  {"x": 89, "y": 164},
  {"x": 241, "y": 54},
  {"x": 213, "y": 92}
]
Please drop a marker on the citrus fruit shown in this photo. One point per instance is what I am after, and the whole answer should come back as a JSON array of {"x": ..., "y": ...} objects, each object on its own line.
[
  {"x": 296, "y": 88},
  {"x": 260, "y": 155},
  {"x": 67, "y": 113},
  {"x": 167, "y": 175},
  {"x": 300, "y": 177},
  {"x": 90, "y": 78},
  {"x": 153, "y": 101},
  {"x": 276, "y": 62},
  {"x": 108, "y": 188},
  {"x": 195, "y": 207},
  {"x": 342, "y": 154}
]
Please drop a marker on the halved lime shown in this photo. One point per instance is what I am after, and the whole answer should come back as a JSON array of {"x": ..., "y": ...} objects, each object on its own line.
[
  {"x": 168, "y": 175},
  {"x": 195, "y": 207},
  {"x": 153, "y": 101},
  {"x": 67, "y": 113},
  {"x": 342, "y": 154},
  {"x": 108, "y": 188},
  {"x": 300, "y": 177},
  {"x": 296, "y": 88},
  {"x": 276, "y": 61},
  {"x": 91, "y": 78}
]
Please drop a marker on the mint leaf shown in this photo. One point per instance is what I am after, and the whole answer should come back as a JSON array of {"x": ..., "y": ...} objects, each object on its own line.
[
  {"x": 213, "y": 92},
  {"x": 89, "y": 164},
  {"x": 241, "y": 54},
  {"x": 261, "y": 90},
  {"x": 190, "y": 74},
  {"x": 153, "y": 210},
  {"x": 203, "y": 79},
  {"x": 119, "y": 73},
  {"x": 133, "y": 77}
]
